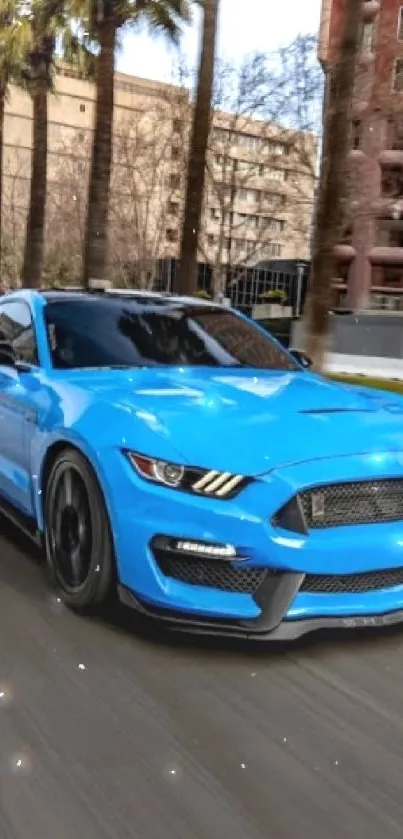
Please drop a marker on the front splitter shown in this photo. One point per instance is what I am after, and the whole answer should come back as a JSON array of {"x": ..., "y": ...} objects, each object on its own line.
[{"x": 286, "y": 630}]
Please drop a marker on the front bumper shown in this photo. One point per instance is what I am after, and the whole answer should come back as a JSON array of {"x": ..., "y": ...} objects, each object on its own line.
[{"x": 280, "y": 607}]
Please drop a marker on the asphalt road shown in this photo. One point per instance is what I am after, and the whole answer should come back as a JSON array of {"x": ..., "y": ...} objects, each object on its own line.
[{"x": 109, "y": 733}]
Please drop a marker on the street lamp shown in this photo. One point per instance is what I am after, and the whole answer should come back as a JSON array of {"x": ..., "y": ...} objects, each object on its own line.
[{"x": 300, "y": 277}]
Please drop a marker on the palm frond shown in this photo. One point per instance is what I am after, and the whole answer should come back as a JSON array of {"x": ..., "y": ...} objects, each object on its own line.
[
  {"x": 77, "y": 49},
  {"x": 163, "y": 17}
]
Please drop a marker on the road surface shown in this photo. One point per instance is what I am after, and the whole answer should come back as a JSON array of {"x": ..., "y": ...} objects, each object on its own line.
[{"x": 106, "y": 733}]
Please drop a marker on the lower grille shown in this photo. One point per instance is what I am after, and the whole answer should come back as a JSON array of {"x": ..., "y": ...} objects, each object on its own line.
[
  {"x": 352, "y": 583},
  {"x": 364, "y": 502},
  {"x": 211, "y": 573}
]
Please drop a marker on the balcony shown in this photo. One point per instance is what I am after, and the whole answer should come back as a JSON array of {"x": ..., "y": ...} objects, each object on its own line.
[
  {"x": 391, "y": 158},
  {"x": 344, "y": 253},
  {"x": 370, "y": 9},
  {"x": 354, "y": 155},
  {"x": 386, "y": 256}
]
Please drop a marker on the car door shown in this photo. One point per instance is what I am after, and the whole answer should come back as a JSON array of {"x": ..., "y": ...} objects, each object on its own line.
[{"x": 18, "y": 411}]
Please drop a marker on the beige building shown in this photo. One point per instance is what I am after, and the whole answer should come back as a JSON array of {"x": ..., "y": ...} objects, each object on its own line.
[{"x": 259, "y": 189}]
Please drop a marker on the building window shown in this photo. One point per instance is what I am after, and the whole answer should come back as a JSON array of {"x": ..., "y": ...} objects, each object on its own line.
[
  {"x": 389, "y": 233},
  {"x": 276, "y": 174},
  {"x": 347, "y": 235},
  {"x": 173, "y": 208},
  {"x": 356, "y": 134},
  {"x": 248, "y": 195},
  {"x": 398, "y": 77},
  {"x": 174, "y": 181},
  {"x": 222, "y": 135},
  {"x": 177, "y": 125},
  {"x": 172, "y": 235},
  {"x": 271, "y": 224},
  {"x": 175, "y": 152},
  {"x": 392, "y": 183},
  {"x": 400, "y": 24},
  {"x": 277, "y": 149},
  {"x": 82, "y": 108},
  {"x": 394, "y": 133},
  {"x": 274, "y": 201}
]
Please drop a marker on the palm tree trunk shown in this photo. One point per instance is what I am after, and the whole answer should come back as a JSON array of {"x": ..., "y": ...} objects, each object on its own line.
[
  {"x": 332, "y": 187},
  {"x": 96, "y": 231},
  {"x": 2, "y": 109},
  {"x": 187, "y": 275},
  {"x": 34, "y": 238}
]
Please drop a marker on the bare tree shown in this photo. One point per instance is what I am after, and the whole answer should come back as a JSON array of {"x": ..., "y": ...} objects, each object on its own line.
[
  {"x": 69, "y": 164},
  {"x": 330, "y": 215},
  {"x": 261, "y": 168},
  {"x": 149, "y": 151},
  {"x": 16, "y": 172},
  {"x": 146, "y": 209}
]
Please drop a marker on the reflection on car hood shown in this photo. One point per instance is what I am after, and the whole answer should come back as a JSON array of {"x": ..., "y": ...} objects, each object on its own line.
[{"x": 249, "y": 421}]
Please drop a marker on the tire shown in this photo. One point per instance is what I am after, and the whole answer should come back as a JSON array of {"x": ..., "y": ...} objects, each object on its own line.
[{"x": 78, "y": 541}]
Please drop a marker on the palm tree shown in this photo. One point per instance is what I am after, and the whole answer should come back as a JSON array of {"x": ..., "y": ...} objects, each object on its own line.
[
  {"x": 104, "y": 21},
  {"x": 11, "y": 52},
  {"x": 187, "y": 277},
  {"x": 46, "y": 22}
]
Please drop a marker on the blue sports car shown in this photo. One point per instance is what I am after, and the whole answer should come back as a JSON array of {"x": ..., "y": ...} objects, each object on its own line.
[{"x": 172, "y": 450}]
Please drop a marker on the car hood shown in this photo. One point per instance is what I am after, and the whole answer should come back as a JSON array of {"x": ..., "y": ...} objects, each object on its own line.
[{"x": 248, "y": 421}]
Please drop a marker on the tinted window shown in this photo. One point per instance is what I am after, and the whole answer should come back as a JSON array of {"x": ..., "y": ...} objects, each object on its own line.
[
  {"x": 111, "y": 332},
  {"x": 16, "y": 327}
]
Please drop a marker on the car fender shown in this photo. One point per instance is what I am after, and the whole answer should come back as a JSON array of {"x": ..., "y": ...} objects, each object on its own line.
[
  {"x": 72, "y": 439},
  {"x": 97, "y": 431}
]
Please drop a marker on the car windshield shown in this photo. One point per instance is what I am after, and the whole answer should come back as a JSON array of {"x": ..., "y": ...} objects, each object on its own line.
[{"x": 110, "y": 332}]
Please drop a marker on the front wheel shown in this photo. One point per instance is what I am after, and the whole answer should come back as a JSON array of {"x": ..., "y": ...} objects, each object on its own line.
[{"x": 79, "y": 549}]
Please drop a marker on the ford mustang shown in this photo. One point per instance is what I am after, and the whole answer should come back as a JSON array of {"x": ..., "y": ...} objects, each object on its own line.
[{"x": 171, "y": 450}]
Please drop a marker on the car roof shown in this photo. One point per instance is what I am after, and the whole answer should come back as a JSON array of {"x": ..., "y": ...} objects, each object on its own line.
[{"x": 76, "y": 293}]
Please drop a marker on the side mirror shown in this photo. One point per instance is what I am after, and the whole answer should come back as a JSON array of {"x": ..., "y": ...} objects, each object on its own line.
[
  {"x": 301, "y": 358},
  {"x": 7, "y": 355}
]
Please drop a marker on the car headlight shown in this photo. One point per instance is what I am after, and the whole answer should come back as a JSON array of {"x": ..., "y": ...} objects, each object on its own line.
[{"x": 207, "y": 482}]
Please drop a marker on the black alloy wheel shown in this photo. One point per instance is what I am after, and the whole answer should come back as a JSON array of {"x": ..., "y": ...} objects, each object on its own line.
[{"x": 79, "y": 549}]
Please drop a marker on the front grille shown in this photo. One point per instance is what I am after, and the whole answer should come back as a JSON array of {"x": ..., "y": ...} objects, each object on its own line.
[
  {"x": 352, "y": 583},
  {"x": 365, "y": 502},
  {"x": 212, "y": 573}
]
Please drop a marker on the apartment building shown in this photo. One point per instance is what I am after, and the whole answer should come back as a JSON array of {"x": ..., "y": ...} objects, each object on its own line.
[
  {"x": 259, "y": 184},
  {"x": 370, "y": 256}
]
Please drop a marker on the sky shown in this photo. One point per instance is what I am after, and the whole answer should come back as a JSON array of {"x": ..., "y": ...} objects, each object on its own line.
[{"x": 254, "y": 26}]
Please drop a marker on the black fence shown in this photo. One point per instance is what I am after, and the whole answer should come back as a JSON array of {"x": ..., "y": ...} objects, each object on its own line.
[{"x": 247, "y": 286}]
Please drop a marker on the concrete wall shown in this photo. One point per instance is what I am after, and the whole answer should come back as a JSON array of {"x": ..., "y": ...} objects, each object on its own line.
[
  {"x": 368, "y": 333},
  {"x": 370, "y": 343}
]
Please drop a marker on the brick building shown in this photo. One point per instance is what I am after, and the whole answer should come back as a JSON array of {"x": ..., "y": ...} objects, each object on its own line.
[{"x": 370, "y": 255}]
